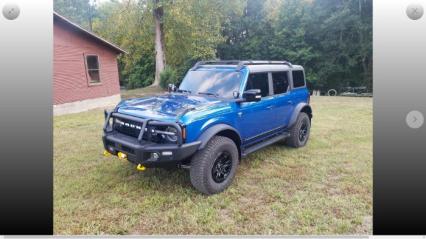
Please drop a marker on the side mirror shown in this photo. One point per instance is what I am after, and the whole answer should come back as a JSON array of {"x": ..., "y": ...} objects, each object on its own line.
[
  {"x": 253, "y": 95},
  {"x": 171, "y": 88}
]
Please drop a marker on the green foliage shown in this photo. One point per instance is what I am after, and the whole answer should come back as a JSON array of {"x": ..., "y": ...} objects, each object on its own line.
[
  {"x": 168, "y": 76},
  {"x": 79, "y": 11},
  {"x": 130, "y": 25},
  {"x": 192, "y": 30},
  {"x": 332, "y": 39},
  {"x": 141, "y": 75}
]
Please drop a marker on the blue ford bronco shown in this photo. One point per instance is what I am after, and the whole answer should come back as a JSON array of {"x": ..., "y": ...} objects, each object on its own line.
[{"x": 222, "y": 111}]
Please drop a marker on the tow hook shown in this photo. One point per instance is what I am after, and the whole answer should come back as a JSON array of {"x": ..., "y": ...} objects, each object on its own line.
[
  {"x": 122, "y": 156},
  {"x": 106, "y": 153},
  {"x": 140, "y": 167}
]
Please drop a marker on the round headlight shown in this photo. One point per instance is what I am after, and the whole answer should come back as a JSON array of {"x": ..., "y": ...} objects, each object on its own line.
[{"x": 172, "y": 135}]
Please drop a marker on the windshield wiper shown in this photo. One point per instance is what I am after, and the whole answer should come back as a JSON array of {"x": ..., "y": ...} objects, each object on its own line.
[
  {"x": 184, "y": 91},
  {"x": 208, "y": 93}
]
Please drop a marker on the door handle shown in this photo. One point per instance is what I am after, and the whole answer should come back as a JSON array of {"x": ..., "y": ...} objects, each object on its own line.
[
  {"x": 290, "y": 102},
  {"x": 269, "y": 107}
]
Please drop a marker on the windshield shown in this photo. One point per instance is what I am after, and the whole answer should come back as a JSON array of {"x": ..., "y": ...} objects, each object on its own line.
[{"x": 212, "y": 82}]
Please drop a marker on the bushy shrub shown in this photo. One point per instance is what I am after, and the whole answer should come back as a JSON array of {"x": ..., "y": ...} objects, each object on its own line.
[
  {"x": 168, "y": 76},
  {"x": 137, "y": 81},
  {"x": 141, "y": 74}
]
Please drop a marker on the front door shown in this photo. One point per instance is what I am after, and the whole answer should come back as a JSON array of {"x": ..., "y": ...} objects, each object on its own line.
[{"x": 257, "y": 118}]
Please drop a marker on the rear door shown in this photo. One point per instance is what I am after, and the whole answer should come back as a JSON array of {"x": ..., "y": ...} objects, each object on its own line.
[
  {"x": 283, "y": 103},
  {"x": 256, "y": 118}
]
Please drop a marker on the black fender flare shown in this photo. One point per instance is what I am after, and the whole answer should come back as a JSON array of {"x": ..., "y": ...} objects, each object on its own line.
[
  {"x": 214, "y": 130},
  {"x": 297, "y": 111}
]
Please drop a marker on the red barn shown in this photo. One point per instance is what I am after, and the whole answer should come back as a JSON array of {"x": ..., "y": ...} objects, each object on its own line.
[{"x": 85, "y": 70}]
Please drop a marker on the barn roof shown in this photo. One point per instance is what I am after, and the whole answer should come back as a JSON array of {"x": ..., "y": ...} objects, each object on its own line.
[{"x": 59, "y": 18}]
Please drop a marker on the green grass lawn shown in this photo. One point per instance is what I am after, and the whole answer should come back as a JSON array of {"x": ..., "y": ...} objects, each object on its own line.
[{"x": 323, "y": 188}]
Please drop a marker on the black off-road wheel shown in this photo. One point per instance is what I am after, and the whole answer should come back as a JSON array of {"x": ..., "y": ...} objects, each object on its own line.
[
  {"x": 213, "y": 168},
  {"x": 299, "y": 133}
]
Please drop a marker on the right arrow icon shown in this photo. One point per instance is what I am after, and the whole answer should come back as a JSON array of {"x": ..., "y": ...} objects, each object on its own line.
[{"x": 415, "y": 119}]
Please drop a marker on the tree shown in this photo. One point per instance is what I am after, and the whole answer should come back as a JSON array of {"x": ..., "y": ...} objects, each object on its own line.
[
  {"x": 340, "y": 32},
  {"x": 332, "y": 39},
  {"x": 247, "y": 32},
  {"x": 160, "y": 58},
  {"x": 193, "y": 31},
  {"x": 129, "y": 24},
  {"x": 81, "y": 12}
]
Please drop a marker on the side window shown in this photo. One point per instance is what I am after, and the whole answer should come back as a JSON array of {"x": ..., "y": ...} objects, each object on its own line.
[
  {"x": 298, "y": 79},
  {"x": 92, "y": 67},
  {"x": 258, "y": 81},
  {"x": 280, "y": 82}
]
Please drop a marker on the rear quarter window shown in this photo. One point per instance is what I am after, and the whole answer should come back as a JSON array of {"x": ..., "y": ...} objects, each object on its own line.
[{"x": 298, "y": 79}]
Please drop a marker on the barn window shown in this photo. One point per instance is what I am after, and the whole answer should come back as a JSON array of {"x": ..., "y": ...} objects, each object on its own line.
[{"x": 92, "y": 65}]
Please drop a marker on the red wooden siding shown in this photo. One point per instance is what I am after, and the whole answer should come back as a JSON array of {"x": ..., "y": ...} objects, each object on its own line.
[{"x": 69, "y": 71}]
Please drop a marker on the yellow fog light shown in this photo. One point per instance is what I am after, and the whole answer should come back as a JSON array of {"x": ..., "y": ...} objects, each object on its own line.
[
  {"x": 106, "y": 153},
  {"x": 140, "y": 167},
  {"x": 122, "y": 156}
]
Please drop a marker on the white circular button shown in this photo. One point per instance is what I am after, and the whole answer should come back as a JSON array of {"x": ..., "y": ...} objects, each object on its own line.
[
  {"x": 415, "y": 11},
  {"x": 11, "y": 11},
  {"x": 415, "y": 119}
]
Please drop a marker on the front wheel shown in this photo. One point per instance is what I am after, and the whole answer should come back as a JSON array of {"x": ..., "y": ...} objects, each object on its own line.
[
  {"x": 299, "y": 133},
  {"x": 213, "y": 168}
]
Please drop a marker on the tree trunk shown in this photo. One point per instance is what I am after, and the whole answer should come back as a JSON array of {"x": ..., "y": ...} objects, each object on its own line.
[
  {"x": 160, "y": 58},
  {"x": 91, "y": 10}
]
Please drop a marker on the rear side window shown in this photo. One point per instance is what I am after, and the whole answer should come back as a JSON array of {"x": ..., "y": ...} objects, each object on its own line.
[
  {"x": 280, "y": 82},
  {"x": 298, "y": 79},
  {"x": 258, "y": 81}
]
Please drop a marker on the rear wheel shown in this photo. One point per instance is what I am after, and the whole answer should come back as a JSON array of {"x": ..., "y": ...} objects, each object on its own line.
[
  {"x": 213, "y": 168},
  {"x": 299, "y": 133}
]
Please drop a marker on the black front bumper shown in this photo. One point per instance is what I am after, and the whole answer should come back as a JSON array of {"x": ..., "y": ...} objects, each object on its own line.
[{"x": 142, "y": 152}]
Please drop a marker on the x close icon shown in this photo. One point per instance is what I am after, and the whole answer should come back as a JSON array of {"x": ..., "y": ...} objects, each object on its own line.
[
  {"x": 415, "y": 11},
  {"x": 11, "y": 11}
]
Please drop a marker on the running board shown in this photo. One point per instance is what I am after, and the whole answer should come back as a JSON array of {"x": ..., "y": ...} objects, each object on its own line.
[{"x": 265, "y": 143}]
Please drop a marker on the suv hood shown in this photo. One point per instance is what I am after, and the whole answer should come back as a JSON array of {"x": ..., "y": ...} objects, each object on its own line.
[{"x": 165, "y": 107}]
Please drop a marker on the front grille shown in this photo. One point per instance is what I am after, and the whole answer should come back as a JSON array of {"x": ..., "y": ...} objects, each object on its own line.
[
  {"x": 133, "y": 129},
  {"x": 128, "y": 127}
]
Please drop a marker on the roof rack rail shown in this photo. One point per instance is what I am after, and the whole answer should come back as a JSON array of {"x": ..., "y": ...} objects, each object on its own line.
[
  {"x": 245, "y": 63},
  {"x": 240, "y": 64},
  {"x": 215, "y": 62}
]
